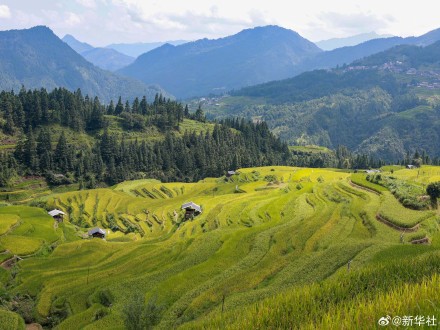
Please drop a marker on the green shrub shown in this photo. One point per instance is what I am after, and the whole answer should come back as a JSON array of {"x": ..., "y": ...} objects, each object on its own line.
[{"x": 11, "y": 321}]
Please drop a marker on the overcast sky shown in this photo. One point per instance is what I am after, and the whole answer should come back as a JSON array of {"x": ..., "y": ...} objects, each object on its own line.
[{"x": 101, "y": 22}]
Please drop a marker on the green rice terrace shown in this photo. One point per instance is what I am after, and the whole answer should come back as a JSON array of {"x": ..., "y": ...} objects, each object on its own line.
[{"x": 272, "y": 248}]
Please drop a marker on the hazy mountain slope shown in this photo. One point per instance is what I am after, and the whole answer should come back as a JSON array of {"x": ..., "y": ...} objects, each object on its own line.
[
  {"x": 346, "y": 55},
  {"x": 107, "y": 59},
  {"x": 76, "y": 45},
  {"x": 250, "y": 57},
  {"x": 37, "y": 58},
  {"x": 104, "y": 58},
  {"x": 205, "y": 66},
  {"x": 139, "y": 48},
  {"x": 334, "y": 43}
]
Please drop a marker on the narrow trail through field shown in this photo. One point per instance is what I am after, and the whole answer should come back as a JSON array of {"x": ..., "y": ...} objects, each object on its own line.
[
  {"x": 424, "y": 240},
  {"x": 362, "y": 188},
  {"x": 9, "y": 263},
  {"x": 394, "y": 226}
]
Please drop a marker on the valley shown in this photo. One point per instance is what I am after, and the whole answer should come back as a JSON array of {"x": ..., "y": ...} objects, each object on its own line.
[
  {"x": 262, "y": 232},
  {"x": 247, "y": 179}
]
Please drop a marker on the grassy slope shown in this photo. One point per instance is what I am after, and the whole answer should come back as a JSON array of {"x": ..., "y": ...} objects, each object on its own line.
[
  {"x": 30, "y": 229},
  {"x": 247, "y": 247}
]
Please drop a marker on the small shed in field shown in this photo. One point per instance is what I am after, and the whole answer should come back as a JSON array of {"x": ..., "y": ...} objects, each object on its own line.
[
  {"x": 230, "y": 173},
  {"x": 57, "y": 214},
  {"x": 97, "y": 232},
  {"x": 410, "y": 166},
  {"x": 192, "y": 210}
]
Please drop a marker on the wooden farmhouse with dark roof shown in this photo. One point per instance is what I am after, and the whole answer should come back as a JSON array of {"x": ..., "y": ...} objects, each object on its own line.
[
  {"x": 57, "y": 214},
  {"x": 97, "y": 232},
  {"x": 191, "y": 210}
]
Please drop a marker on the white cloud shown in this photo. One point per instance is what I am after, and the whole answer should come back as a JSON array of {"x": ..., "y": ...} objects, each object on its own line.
[
  {"x": 5, "y": 12},
  {"x": 87, "y": 3},
  {"x": 101, "y": 22},
  {"x": 359, "y": 22},
  {"x": 73, "y": 19},
  {"x": 192, "y": 19}
]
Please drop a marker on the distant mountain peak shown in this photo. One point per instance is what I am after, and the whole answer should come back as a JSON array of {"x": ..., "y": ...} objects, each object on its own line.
[
  {"x": 206, "y": 66},
  {"x": 37, "y": 58},
  {"x": 78, "y": 46},
  {"x": 357, "y": 39},
  {"x": 39, "y": 28}
]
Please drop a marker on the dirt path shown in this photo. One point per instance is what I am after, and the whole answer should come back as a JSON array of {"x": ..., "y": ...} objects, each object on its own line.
[
  {"x": 363, "y": 188},
  {"x": 34, "y": 326},
  {"x": 424, "y": 240},
  {"x": 392, "y": 225},
  {"x": 9, "y": 263}
]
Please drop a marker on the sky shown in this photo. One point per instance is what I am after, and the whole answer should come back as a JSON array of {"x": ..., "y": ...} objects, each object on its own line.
[{"x": 102, "y": 22}]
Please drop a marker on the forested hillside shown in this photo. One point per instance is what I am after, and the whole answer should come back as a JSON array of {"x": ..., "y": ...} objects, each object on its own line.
[
  {"x": 384, "y": 105},
  {"x": 154, "y": 139}
]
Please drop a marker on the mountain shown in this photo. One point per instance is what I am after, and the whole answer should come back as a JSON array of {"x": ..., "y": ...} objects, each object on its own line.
[
  {"x": 334, "y": 43},
  {"x": 383, "y": 105},
  {"x": 136, "y": 49},
  {"x": 345, "y": 55},
  {"x": 426, "y": 39},
  {"x": 76, "y": 45},
  {"x": 210, "y": 66},
  {"x": 250, "y": 57},
  {"x": 105, "y": 58},
  {"x": 37, "y": 58}
]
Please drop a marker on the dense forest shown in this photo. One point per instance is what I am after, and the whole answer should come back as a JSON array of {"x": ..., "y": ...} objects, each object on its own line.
[
  {"x": 189, "y": 156},
  {"x": 30, "y": 115}
]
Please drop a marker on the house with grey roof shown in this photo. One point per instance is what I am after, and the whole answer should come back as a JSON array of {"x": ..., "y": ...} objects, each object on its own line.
[
  {"x": 191, "y": 210},
  {"x": 57, "y": 214},
  {"x": 97, "y": 232}
]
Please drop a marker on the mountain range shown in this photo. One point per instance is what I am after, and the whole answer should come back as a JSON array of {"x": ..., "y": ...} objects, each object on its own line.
[
  {"x": 213, "y": 66},
  {"x": 105, "y": 58},
  {"x": 334, "y": 43},
  {"x": 382, "y": 105},
  {"x": 198, "y": 68},
  {"x": 37, "y": 58},
  {"x": 139, "y": 48},
  {"x": 247, "y": 58},
  {"x": 114, "y": 56}
]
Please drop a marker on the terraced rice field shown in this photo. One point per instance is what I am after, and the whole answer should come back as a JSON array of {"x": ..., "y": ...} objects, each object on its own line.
[{"x": 266, "y": 236}]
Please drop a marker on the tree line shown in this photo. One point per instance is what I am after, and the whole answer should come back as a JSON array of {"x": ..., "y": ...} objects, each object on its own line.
[
  {"x": 191, "y": 156},
  {"x": 29, "y": 109},
  {"x": 231, "y": 143}
]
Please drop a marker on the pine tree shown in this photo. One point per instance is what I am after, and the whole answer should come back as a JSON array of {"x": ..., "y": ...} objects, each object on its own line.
[
  {"x": 44, "y": 150},
  {"x": 143, "y": 106},
  {"x": 111, "y": 108},
  {"x": 30, "y": 151},
  {"x": 97, "y": 116},
  {"x": 119, "y": 107},
  {"x": 61, "y": 154}
]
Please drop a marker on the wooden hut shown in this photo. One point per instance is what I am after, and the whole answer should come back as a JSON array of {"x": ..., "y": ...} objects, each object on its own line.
[
  {"x": 191, "y": 210},
  {"x": 97, "y": 232},
  {"x": 57, "y": 215}
]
